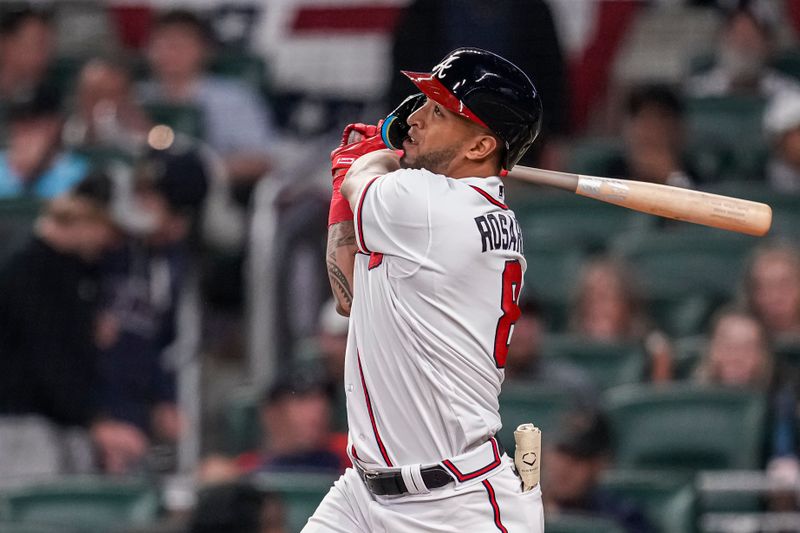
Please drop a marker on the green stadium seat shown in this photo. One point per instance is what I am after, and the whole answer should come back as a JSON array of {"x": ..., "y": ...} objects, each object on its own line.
[
  {"x": 522, "y": 402},
  {"x": 685, "y": 262},
  {"x": 185, "y": 119},
  {"x": 565, "y": 523},
  {"x": 100, "y": 157},
  {"x": 570, "y": 219},
  {"x": 608, "y": 363},
  {"x": 686, "y": 427},
  {"x": 593, "y": 155},
  {"x": 681, "y": 315},
  {"x": 788, "y": 62},
  {"x": 688, "y": 354},
  {"x": 301, "y": 493},
  {"x": 241, "y": 420},
  {"x": 17, "y": 216},
  {"x": 63, "y": 73},
  {"x": 729, "y": 121},
  {"x": 29, "y": 527},
  {"x": 711, "y": 162},
  {"x": 731, "y": 496},
  {"x": 91, "y": 503},
  {"x": 667, "y": 500},
  {"x": 788, "y": 352},
  {"x": 550, "y": 277}
]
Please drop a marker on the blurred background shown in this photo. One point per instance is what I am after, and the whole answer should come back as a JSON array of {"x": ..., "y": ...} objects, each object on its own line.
[{"x": 169, "y": 357}]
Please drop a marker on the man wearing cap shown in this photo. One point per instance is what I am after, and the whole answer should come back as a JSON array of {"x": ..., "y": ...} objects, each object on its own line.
[
  {"x": 49, "y": 293},
  {"x": 426, "y": 259},
  {"x": 296, "y": 421},
  {"x": 579, "y": 454}
]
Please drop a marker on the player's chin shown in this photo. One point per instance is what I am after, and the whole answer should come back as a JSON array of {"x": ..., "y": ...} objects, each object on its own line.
[{"x": 407, "y": 162}]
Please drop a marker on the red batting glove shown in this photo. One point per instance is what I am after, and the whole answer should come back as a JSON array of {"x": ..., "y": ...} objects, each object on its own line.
[{"x": 343, "y": 157}]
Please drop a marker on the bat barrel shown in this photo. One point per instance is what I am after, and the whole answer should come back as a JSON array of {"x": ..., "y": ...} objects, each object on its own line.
[{"x": 724, "y": 212}]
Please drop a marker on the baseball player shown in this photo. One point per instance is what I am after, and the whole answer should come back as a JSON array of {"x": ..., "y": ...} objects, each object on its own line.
[{"x": 426, "y": 258}]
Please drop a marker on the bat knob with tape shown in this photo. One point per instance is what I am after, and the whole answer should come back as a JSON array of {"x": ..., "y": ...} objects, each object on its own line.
[{"x": 394, "y": 129}]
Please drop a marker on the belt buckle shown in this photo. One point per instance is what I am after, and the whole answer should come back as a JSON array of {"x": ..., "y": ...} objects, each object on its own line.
[{"x": 370, "y": 474}]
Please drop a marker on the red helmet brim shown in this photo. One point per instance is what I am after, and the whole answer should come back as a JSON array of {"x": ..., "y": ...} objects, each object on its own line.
[{"x": 431, "y": 87}]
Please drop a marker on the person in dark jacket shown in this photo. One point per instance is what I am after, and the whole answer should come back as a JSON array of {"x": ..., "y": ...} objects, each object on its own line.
[
  {"x": 579, "y": 454},
  {"x": 48, "y": 300},
  {"x": 142, "y": 284}
]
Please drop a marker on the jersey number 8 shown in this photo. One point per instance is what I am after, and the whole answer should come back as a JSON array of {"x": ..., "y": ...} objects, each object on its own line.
[{"x": 509, "y": 304}]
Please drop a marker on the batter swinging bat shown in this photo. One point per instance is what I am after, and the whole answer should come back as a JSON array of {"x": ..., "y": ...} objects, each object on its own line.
[
  {"x": 713, "y": 210},
  {"x": 717, "y": 211}
]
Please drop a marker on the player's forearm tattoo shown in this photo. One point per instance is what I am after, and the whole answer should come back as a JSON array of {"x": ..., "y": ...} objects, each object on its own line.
[
  {"x": 339, "y": 283},
  {"x": 345, "y": 233},
  {"x": 340, "y": 235}
]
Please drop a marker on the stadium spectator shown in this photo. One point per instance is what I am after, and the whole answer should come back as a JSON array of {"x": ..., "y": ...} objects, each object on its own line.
[
  {"x": 782, "y": 130},
  {"x": 238, "y": 507},
  {"x": 106, "y": 113},
  {"x": 738, "y": 354},
  {"x": 607, "y": 305},
  {"x": 574, "y": 461},
  {"x": 142, "y": 284},
  {"x": 608, "y": 308},
  {"x": 48, "y": 300},
  {"x": 34, "y": 163},
  {"x": 525, "y": 361},
  {"x": 523, "y": 31},
  {"x": 772, "y": 290},
  {"x": 654, "y": 139},
  {"x": 236, "y": 123},
  {"x": 746, "y": 45},
  {"x": 295, "y": 418},
  {"x": 27, "y": 44}
]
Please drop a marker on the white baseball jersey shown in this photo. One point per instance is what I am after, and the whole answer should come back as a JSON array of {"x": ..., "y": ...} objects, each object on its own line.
[{"x": 436, "y": 286}]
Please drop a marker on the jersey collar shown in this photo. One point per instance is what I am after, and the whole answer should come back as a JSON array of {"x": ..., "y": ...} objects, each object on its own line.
[{"x": 492, "y": 185}]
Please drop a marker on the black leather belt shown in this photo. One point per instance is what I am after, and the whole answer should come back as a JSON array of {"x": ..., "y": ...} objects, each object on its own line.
[{"x": 392, "y": 484}]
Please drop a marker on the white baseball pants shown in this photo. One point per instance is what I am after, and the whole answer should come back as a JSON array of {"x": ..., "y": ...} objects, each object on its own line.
[{"x": 485, "y": 505}]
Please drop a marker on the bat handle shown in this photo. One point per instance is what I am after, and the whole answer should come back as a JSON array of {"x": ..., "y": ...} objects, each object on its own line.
[{"x": 560, "y": 180}]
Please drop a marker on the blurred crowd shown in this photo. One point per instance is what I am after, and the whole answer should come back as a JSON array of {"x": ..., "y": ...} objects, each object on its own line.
[{"x": 132, "y": 178}]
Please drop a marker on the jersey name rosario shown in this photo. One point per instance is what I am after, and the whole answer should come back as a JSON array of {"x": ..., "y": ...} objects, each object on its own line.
[{"x": 499, "y": 231}]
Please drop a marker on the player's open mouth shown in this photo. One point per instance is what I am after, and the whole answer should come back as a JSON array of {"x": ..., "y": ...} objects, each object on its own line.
[{"x": 409, "y": 140}]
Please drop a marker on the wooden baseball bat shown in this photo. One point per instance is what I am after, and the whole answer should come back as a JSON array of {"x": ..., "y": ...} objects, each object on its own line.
[{"x": 717, "y": 211}]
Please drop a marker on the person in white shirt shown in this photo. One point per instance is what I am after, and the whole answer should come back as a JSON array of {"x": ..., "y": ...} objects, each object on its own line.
[
  {"x": 742, "y": 61},
  {"x": 236, "y": 122}
]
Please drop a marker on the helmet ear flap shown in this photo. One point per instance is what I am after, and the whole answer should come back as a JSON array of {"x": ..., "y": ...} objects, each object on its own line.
[{"x": 394, "y": 129}]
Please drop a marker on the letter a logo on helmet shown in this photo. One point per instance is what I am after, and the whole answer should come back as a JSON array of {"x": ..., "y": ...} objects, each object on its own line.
[
  {"x": 439, "y": 69},
  {"x": 490, "y": 91}
]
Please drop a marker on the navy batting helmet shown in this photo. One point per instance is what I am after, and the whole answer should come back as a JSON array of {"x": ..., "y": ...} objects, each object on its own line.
[{"x": 490, "y": 91}]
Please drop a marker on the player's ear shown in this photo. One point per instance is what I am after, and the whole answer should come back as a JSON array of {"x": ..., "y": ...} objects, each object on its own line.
[{"x": 483, "y": 147}]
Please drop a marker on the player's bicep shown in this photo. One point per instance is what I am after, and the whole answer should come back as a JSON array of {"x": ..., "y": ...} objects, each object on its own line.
[{"x": 392, "y": 215}]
